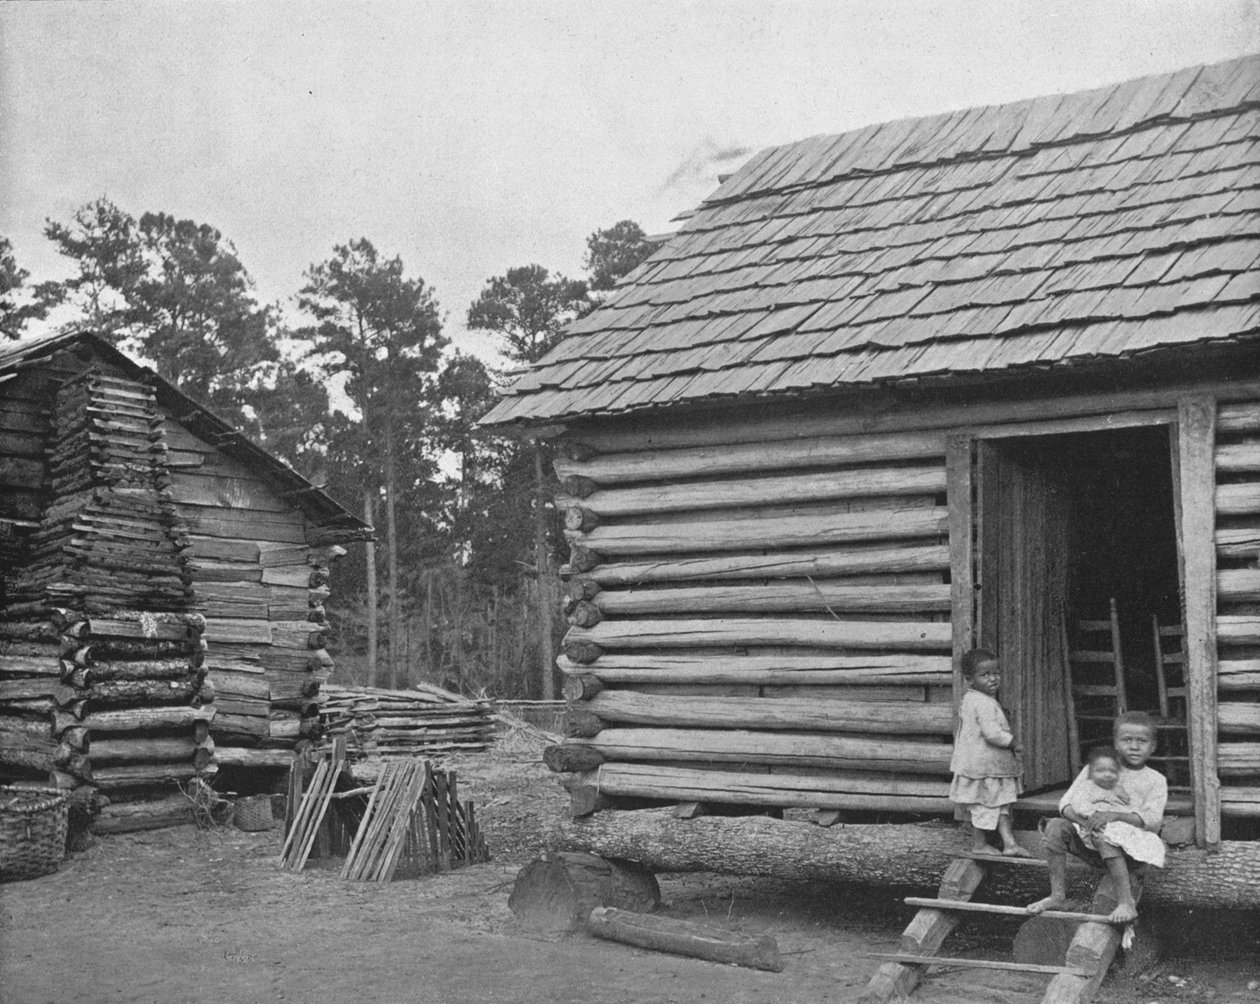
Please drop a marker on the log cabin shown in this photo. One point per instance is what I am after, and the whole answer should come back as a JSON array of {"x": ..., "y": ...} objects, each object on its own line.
[
  {"x": 984, "y": 378},
  {"x": 163, "y": 579}
]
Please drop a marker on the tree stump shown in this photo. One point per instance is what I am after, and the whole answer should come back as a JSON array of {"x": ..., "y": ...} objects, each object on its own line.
[{"x": 558, "y": 891}]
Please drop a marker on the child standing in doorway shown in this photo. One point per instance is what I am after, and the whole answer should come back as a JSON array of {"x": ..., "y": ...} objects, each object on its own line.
[
  {"x": 1093, "y": 835},
  {"x": 986, "y": 770}
]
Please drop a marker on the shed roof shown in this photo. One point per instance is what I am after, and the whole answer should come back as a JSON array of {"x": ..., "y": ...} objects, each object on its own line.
[
  {"x": 1045, "y": 233},
  {"x": 311, "y": 501}
]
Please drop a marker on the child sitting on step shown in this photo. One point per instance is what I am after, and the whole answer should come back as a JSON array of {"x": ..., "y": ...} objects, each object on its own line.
[
  {"x": 1103, "y": 792},
  {"x": 986, "y": 771},
  {"x": 1087, "y": 829}
]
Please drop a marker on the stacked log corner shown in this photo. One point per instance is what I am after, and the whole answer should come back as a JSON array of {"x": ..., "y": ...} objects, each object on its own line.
[
  {"x": 102, "y": 678},
  {"x": 1237, "y": 462},
  {"x": 759, "y": 624},
  {"x": 261, "y": 575}
]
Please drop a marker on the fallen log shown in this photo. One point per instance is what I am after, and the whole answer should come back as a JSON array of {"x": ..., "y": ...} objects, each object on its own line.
[
  {"x": 125, "y": 817},
  {"x": 557, "y": 892},
  {"x": 904, "y": 855},
  {"x": 682, "y": 937}
]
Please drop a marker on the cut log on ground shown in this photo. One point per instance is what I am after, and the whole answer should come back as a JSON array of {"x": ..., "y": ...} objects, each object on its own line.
[
  {"x": 896, "y": 854},
  {"x": 124, "y": 817},
  {"x": 558, "y": 891},
  {"x": 682, "y": 937}
]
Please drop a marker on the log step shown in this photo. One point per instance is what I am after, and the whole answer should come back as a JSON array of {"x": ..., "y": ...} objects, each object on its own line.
[
  {"x": 943, "y": 960},
  {"x": 1002, "y": 859},
  {"x": 1013, "y": 911}
]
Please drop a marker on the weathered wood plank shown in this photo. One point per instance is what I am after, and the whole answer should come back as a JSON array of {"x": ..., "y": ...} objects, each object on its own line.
[
  {"x": 1196, "y": 445},
  {"x": 959, "y": 471}
]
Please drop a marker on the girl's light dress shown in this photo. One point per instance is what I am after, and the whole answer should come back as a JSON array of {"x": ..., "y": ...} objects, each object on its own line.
[{"x": 986, "y": 773}]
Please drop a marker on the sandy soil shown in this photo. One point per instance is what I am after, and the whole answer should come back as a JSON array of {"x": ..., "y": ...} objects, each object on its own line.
[{"x": 189, "y": 916}]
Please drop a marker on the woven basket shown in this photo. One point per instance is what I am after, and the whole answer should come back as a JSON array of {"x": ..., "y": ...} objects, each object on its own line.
[
  {"x": 253, "y": 813},
  {"x": 33, "y": 823}
]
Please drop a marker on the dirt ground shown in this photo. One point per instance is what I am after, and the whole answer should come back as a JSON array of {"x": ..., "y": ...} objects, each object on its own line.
[{"x": 191, "y": 916}]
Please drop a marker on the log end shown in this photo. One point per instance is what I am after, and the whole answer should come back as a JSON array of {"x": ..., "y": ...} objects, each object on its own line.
[{"x": 557, "y": 892}]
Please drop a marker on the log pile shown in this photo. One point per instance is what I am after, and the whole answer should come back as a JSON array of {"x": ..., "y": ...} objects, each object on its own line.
[
  {"x": 406, "y": 723},
  {"x": 408, "y": 822},
  {"x": 102, "y": 678}
]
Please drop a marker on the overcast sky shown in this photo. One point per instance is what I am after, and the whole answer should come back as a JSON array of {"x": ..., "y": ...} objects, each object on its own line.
[{"x": 471, "y": 137}]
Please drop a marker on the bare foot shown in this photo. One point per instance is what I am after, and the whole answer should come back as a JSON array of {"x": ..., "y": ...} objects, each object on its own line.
[
  {"x": 1015, "y": 851},
  {"x": 1049, "y": 903},
  {"x": 1123, "y": 914}
]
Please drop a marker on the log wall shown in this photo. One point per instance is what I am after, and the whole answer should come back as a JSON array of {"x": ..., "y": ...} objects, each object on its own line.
[
  {"x": 261, "y": 587},
  {"x": 1238, "y": 606},
  {"x": 762, "y": 624},
  {"x": 768, "y": 622}
]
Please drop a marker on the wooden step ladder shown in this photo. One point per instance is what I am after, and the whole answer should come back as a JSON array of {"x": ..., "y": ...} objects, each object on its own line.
[{"x": 1075, "y": 982}]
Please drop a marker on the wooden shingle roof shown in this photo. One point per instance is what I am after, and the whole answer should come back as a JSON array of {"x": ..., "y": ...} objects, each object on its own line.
[{"x": 1044, "y": 233}]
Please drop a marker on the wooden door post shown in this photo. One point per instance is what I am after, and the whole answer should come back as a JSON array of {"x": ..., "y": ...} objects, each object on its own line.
[
  {"x": 958, "y": 494},
  {"x": 1196, "y": 546}
]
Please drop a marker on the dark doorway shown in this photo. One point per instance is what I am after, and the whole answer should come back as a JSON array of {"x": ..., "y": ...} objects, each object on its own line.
[{"x": 1067, "y": 523}]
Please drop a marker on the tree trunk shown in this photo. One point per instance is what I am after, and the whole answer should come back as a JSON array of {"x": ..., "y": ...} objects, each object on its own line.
[
  {"x": 902, "y": 855},
  {"x": 557, "y": 892},
  {"x": 369, "y": 561},
  {"x": 396, "y": 669},
  {"x": 682, "y": 937},
  {"x": 542, "y": 562}
]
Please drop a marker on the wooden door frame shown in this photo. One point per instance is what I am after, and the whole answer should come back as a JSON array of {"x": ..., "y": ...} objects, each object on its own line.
[{"x": 1192, "y": 434}]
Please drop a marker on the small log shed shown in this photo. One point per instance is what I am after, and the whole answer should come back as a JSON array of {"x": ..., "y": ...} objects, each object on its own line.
[
  {"x": 162, "y": 586},
  {"x": 891, "y": 394}
]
